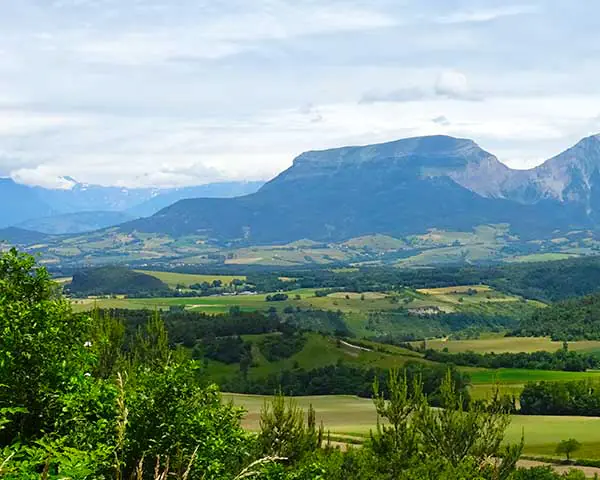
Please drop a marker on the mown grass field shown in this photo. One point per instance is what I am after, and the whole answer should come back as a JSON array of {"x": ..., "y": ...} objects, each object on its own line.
[
  {"x": 353, "y": 416},
  {"x": 541, "y": 257},
  {"x": 502, "y": 344},
  {"x": 173, "y": 279}
]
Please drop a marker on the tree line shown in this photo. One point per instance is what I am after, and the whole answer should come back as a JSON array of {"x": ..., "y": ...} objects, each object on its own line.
[
  {"x": 545, "y": 281},
  {"x": 579, "y": 398},
  {"x": 573, "y": 319},
  {"x": 562, "y": 359}
]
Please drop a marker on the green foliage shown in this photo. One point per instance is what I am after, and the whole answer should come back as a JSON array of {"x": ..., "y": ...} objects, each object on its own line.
[
  {"x": 51, "y": 460},
  {"x": 404, "y": 325},
  {"x": 419, "y": 442},
  {"x": 283, "y": 432},
  {"x": 347, "y": 379},
  {"x": 107, "y": 341},
  {"x": 151, "y": 346},
  {"x": 224, "y": 349},
  {"x": 546, "y": 473},
  {"x": 171, "y": 415},
  {"x": 545, "y": 281},
  {"x": 456, "y": 433},
  {"x": 114, "y": 280},
  {"x": 187, "y": 328},
  {"x": 563, "y": 360},
  {"x": 573, "y": 319},
  {"x": 42, "y": 347},
  {"x": 277, "y": 297},
  {"x": 568, "y": 447},
  {"x": 561, "y": 398},
  {"x": 278, "y": 347},
  {"x": 397, "y": 441}
]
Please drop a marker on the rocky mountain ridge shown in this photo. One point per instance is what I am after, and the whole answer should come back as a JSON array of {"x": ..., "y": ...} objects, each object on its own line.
[{"x": 397, "y": 188}]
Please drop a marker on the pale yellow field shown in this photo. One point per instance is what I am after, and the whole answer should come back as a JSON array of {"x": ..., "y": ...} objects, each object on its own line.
[
  {"x": 510, "y": 345},
  {"x": 353, "y": 416},
  {"x": 358, "y": 296},
  {"x": 462, "y": 289}
]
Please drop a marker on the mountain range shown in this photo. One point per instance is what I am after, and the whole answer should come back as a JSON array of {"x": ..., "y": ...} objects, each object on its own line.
[
  {"x": 411, "y": 202},
  {"x": 84, "y": 207},
  {"x": 397, "y": 188}
]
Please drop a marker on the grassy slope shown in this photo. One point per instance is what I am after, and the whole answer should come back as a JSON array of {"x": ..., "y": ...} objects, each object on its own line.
[{"x": 319, "y": 351}]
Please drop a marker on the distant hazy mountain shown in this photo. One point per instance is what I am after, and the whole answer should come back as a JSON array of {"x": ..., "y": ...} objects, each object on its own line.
[
  {"x": 397, "y": 188},
  {"x": 21, "y": 204},
  {"x": 211, "y": 190},
  {"x": 19, "y": 236},
  {"x": 83, "y": 197},
  {"x": 78, "y": 222}
]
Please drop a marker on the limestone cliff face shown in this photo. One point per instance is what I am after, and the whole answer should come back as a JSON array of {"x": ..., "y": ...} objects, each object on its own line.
[{"x": 570, "y": 177}]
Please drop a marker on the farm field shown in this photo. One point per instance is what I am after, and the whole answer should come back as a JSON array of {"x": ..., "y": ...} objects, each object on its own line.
[
  {"x": 214, "y": 304},
  {"x": 356, "y": 307},
  {"x": 501, "y": 344},
  {"x": 519, "y": 376},
  {"x": 541, "y": 257},
  {"x": 472, "y": 295},
  {"x": 353, "y": 416},
  {"x": 512, "y": 380},
  {"x": 173, "y": 279}
]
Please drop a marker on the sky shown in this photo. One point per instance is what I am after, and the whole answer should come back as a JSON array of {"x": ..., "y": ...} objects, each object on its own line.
[{"x": 186, "y": 92}]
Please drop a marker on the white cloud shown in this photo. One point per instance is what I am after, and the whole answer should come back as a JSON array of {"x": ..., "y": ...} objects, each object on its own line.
[
  {"x": 42, "y": 176},
  {"x": 142, "y": 92},
  {"x": 408, "y": 94},
  {"x": 454, "y": 84},
  {"x": 486, "y": 15}
]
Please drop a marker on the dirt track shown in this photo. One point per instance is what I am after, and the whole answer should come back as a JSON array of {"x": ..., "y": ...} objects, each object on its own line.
[{"x": 589, "y": 471}]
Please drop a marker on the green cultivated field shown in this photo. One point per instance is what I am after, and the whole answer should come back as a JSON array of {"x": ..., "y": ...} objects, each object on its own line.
[
  {"x": 512, "y": 380},
  {"x": 173, "y": 279},
  {"x": 353, "y": 416},
  {"x": 216, "y": 304},
  {"x": 517, "y": 376}
]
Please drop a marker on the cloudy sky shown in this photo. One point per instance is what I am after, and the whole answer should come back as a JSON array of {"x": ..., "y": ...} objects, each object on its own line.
[{"x": 179, "y": 92}]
